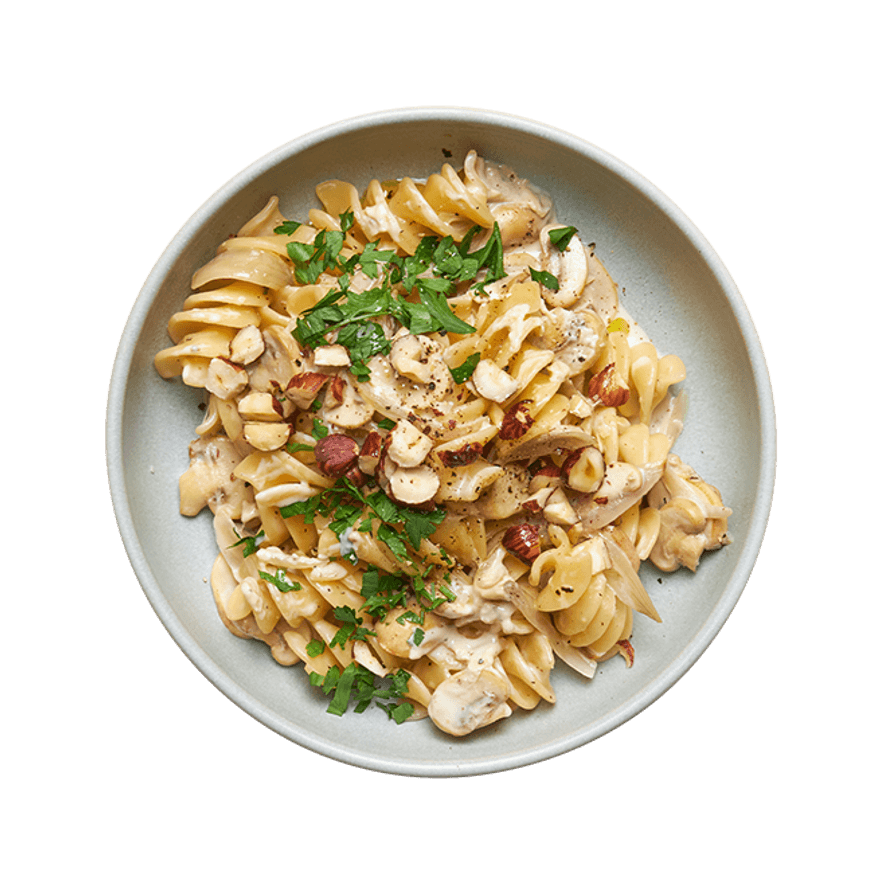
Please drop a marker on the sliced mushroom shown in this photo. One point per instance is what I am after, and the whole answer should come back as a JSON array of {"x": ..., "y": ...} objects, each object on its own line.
[
  {"x": 408, "y": 446},
  {"x": 469, "y": 700},
  {"x": 412, "y": 485},
  {"x": 353, "y": 411},
  {"x": 492, "y": 382},
  {"x": 408, "y": 357},
  {"x": 570, "y": 267}
]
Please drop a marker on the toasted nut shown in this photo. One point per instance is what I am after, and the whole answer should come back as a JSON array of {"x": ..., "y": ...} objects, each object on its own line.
[
  {"x": 247, "y": 345},
  {"x": 225, "y": 379},
  {"x": 584, "y": 469},
  {"x": 517, "y": 420},
  {"x": 335, "y": 392},
  {"x": 368, "y": 458},
  {"x": 335, "y": 454},
  {"x": 266, "y": 436},
  {"x": 523, "y": 541},
  {"x": 468, "y": 454},
  {"x": 608, "y": 387},
  {"x": 260, "y": 406},
  {"x": 303, "y": 388},
  {"x": 331, "y": 356}
]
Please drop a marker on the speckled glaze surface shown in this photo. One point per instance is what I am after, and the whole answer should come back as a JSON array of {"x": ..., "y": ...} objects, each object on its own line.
[{"x": 675, "y": 285}]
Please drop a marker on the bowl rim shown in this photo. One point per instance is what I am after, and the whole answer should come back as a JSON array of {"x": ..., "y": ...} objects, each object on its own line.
[{"x": 751, "y": 541}]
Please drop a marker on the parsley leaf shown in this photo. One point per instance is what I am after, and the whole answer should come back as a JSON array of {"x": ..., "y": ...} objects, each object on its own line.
[
  {"x": 464, "y": 371},
  {"x": 288, "y": 227},
  {"x": 438, "y": 308},
  {"x": 351, "y": 628},
  {"x": 248, "y": 544},
  {"x": 550, "y": 281},
  {"x": 562, "y": 237},
  {"x": 279, "y": 579}
]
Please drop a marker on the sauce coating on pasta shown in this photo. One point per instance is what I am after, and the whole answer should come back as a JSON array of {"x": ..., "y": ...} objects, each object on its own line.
[{"x": 436, "y": 449}]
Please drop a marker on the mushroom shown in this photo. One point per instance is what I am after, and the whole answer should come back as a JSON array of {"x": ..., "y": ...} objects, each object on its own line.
[
  {"x": 352, "y": 411},
  {"x": 570, "y": 267},
  {"x": 277, "y": 364},
  {"x": 692, "y": 517},
  {"x": 492, "y": 382},
  {"x": 408, "y": 357},
  {"x": 468, "y": 700},
  {"x": 408, "y": 446},
  {"x": 412, "y": 485}
]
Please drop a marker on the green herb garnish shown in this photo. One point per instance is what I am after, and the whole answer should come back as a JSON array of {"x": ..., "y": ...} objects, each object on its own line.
[
  {"x": 562, "y": 236},
  {"x": 464, "y": 371},
  {"x": 248, "y": 544},
  {"x": 279, "y": 579},
  {"x": 550, "y": 281}
]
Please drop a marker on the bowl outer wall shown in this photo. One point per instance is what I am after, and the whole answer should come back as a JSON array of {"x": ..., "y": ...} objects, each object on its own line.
[{"x": 672, "y": 282}]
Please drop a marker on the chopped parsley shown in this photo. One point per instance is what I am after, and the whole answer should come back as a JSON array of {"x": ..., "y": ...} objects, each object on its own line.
[
  {"x": 430, "y": 275},
  {"x": 359, "y": 684},
  {"x": 562, "y": 236},
  {"x": 351, "y": 629},
  {"x": 249, "y": 543},
  {"x": 288, "y": 227},
  {"x": 550, "y": 281},
  {"x": 464, "y": 371},
  {"x": 279, "y": 579}
]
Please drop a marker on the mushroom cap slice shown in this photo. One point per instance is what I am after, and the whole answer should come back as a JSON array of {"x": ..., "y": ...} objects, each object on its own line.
[{"x": 468, "y": 700}]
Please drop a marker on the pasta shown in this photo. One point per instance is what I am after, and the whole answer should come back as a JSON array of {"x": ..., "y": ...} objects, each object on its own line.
[{"x": 436, "y": 449}]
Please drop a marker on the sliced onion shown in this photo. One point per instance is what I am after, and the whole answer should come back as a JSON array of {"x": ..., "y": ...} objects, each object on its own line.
[{"x": 524, "y": 600}]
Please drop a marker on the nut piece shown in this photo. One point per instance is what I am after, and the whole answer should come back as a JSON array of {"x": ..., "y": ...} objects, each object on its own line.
[
  {"x": 303, "y": 388},
  {"x": 409, "y": 446},
  {"x": 260, "y": 406},
  {"x": 584, "y": 469},
  {"x": 267, "y": 436},
  {"x": 336, "y": 454},
  {"x": 331, "y": 356},
  {"x": 467, "y": 454},
  {"x": 247, "y": 345},
  {"x": 368, "y": 459},
  {"x": 225, "y": 379},
  {"x": 335, "y": 392},
  {"x": 608, "y": 387},
  {"x": 523, "y": 541},
  {"x": 517, "y": 420}
]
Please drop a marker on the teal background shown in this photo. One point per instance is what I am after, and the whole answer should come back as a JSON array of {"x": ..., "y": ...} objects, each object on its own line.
[{"x": 121, "y": 760}]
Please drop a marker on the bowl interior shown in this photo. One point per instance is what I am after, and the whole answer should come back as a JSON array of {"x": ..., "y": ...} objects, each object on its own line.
[{"x": 672, "y": 282}]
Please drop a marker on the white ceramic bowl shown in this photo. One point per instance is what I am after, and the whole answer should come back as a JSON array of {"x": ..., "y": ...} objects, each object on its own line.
[{"x": 676, "y": 287}]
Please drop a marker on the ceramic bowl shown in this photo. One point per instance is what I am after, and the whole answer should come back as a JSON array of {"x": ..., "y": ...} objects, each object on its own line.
[{"x": 675, "y": 285}]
